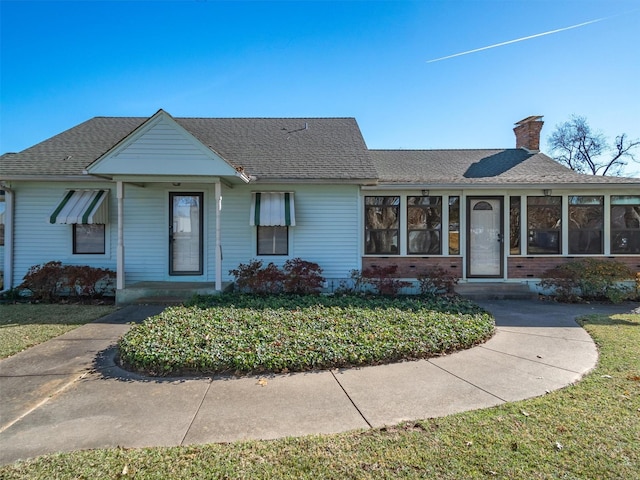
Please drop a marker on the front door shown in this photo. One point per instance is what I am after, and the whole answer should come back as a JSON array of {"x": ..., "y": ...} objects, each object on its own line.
[
  {"x": 185, "y": 233},
  {"x": 484, "y": 237}
]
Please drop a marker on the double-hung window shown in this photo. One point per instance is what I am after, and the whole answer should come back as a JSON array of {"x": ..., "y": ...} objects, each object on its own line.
[
  {"x": 272, "y": 213},
  {"x": 273, "y": 240}
]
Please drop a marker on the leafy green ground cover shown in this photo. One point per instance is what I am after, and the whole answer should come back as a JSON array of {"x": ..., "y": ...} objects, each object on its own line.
[
  {"x": 25, "y": 325},
  {"x": 586, "y": 431},
  {"x": 249, "y": 334}
]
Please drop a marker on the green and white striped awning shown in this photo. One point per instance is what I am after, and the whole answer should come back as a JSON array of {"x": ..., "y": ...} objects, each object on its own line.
[
  {"x": 272, "y": 209},
  {"x": 82, "y": 207}
]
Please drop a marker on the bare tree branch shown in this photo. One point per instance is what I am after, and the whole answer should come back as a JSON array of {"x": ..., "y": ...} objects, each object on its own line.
[{"x": 574, "y": 145}]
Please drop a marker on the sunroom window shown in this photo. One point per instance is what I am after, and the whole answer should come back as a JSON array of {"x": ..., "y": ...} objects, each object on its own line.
[
  {"x": 625, "y": 224},
  {"x": 586, "y": 223},
  {"x": 382, "y": 224},
  {"x": 454, "y": 225},
  {"x": 514, "y": 225},
  {"x": 543, "y": 225},
  {"x": 424, "y": 225}
]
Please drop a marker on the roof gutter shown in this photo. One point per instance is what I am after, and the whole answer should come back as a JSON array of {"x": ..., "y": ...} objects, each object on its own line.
[
  {"x": 499, "y": 186},
  {"x": 52, "y": 178}
]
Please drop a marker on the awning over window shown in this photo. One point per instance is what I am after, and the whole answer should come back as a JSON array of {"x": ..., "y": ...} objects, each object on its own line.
[
  {"x": 272, "y": 209},
  {"x": 82, "y": 207}
]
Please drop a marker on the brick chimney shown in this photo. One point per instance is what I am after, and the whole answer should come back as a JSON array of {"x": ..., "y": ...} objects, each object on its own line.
[{"x": 528, "y": 133}]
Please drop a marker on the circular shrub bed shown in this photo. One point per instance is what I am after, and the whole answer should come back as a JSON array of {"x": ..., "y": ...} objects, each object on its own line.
[{"x": 244, "y": 334}]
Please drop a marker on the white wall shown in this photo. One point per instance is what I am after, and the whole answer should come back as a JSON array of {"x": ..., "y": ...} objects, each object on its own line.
[
  {"x": 326, "y": 231},
  {"x": 37, "y": 241}
]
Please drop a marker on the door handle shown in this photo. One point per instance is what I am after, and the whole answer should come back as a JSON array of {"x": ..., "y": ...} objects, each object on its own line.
[{"x": 500, "y": 238}]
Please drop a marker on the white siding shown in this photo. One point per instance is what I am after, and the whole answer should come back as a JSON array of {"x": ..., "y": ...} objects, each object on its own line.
[
  {"x": 326, "y": 230},
  {"x": 37, "y": 241}
]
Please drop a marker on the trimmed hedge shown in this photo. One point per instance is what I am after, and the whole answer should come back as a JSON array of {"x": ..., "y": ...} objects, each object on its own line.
[{"x": 242, "y": 334}]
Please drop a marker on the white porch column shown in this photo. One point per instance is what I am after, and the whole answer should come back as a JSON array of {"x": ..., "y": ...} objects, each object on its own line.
[
  {"x": 9, "y": 200},
  {"x": 218, "y": 192},
  {"x": 120, "y": 251}
]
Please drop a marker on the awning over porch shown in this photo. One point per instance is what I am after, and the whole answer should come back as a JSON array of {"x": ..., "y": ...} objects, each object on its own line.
[
  {"x": 272, "y": 209},
  {"x": 82, "y": 207}
]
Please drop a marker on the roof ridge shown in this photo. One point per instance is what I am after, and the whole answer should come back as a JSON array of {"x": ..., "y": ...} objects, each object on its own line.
[{"x": 228, "y": 118}]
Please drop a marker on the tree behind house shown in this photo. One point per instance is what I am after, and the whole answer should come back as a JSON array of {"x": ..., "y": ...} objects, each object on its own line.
[{"x": 576, "y": 146}]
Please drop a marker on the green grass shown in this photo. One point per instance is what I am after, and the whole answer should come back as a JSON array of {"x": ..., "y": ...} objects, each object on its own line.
[
  {"x": 247, "y": 334},
  {"x": 25, "y": 325},
  {"x": 585, "y": 431}
]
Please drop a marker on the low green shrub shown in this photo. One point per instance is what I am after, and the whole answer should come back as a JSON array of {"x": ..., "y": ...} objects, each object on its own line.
[
  {"x": 240, "y": 334},
  {"x": 589, "y": 279}
]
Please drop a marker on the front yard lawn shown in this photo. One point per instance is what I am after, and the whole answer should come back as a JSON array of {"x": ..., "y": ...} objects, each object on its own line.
[
  {"x": 25, "y": 325},
  {"x": 243, "y": 334},
  {"x": 585, "y": 431}
]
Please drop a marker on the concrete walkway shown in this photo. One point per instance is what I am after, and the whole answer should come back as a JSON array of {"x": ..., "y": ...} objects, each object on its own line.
[{"x": 68, "y": 394}]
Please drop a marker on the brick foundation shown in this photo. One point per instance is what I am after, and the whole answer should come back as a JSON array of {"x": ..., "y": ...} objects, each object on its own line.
[
  {"x": 413, "y": 267},
  {"x": 534, "y": 267},
  {"x": 517, "y": 267}
]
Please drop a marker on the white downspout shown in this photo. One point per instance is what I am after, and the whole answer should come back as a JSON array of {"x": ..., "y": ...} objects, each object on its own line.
[
  {"x": 218, "y": 193},
  {"x": 120, "y": 252},
  {"x": 9, "y": 199}
]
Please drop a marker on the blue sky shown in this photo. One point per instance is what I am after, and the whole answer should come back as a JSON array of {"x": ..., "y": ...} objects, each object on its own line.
[{"x": 63, "y": 62}]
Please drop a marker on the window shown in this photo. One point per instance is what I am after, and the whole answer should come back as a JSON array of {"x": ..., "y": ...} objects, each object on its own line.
[
  {"x": 454, "y": 225},
  {"x": 586, "y": 223},
  {"x": 382, "y": 225},
  {"x": 625, "y": 224},
  {"x": 88, "y": 239},
  {"x": 514, "y": 225},
  {"x": 543, "y": 225},
  {"x": 424, "y": 225},
  {"x": 273, "y": 240}
]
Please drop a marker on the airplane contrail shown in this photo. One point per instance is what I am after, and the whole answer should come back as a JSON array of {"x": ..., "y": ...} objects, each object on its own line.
[{"x": 518, "y": 40}]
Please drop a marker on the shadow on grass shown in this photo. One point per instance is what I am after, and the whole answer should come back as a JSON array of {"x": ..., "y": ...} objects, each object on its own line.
[{"x": 605, "y": 320}]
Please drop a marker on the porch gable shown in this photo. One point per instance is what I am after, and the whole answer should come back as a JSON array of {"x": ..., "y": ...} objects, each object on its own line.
[{"x": 162, "y": 147}]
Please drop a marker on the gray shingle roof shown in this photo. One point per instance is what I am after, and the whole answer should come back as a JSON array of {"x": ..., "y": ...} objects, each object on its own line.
[
  {"x": 328, "y": 148},
  {"x": 269, "y": 148},
  {"x": 465, "y": 167},
  {"x": 305, "y": 149}
]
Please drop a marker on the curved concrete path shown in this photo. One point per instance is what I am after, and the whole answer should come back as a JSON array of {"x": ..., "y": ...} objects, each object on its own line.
[{"x": 68, "y": 394}]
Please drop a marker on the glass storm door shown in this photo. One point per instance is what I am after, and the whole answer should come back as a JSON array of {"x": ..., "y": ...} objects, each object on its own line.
[
  {"x": 185, "y": 233},
  {"x": 485, "y": 237}
]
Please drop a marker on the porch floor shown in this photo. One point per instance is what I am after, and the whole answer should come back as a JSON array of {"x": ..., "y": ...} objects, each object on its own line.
[
  {"x": 495, "y": 291},
  {"x": 164, "y": 292}
]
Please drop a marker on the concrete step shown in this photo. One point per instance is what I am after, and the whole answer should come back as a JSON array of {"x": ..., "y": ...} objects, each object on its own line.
[{"x": 495, "y": 291}]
